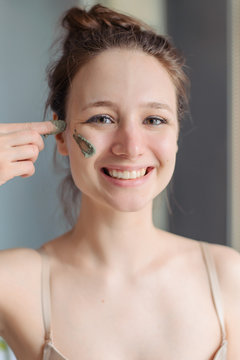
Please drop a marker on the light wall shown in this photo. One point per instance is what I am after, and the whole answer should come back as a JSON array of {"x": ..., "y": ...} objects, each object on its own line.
[
  {"x": 29, "y": 210},
  {"x": 153, "y": 12},
  {"x": 233, "y": 223}
]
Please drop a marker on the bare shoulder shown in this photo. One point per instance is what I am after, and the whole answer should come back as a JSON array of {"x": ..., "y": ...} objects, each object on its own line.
[
  {"x": 227, "y": 262},
  {"x": 17, "y": 264},
  {"x": 13, "y": 258},
  {"x": 18, "y": 270}
]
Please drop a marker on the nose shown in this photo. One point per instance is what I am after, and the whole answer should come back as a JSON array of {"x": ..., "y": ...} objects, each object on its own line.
[{"x": 128, "y": 142}]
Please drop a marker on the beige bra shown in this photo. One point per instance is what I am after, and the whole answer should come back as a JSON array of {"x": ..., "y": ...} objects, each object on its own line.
[{"x": 51, "y": 353}]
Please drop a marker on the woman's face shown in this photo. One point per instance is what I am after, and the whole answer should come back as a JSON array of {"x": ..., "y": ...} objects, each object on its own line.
[{"x": 124, "y": 103}]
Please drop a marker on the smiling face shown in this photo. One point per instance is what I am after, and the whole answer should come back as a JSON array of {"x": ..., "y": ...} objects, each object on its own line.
[{"x": 124, "y": 103}]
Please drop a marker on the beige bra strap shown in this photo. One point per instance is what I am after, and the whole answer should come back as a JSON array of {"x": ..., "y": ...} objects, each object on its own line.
[
  {"x": 214, "y": 285},
  {"x": 46, "y": 299}
]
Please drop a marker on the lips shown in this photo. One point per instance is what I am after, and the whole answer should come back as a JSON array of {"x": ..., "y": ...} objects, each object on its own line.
[{"x": 127, "y": 174}]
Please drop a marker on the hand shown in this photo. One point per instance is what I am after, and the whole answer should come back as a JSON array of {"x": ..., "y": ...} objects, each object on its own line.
[{"x": 20, "y": 145}]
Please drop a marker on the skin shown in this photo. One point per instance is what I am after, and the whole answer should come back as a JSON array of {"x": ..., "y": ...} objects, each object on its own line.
[
  {"x": 115, "y": 143},
  {"x": 20, "y": 144},
  {"x": 116, "y": 281}
]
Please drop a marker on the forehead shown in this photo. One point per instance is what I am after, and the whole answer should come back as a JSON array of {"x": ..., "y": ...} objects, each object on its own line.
[{"x": 124, "y": 75}]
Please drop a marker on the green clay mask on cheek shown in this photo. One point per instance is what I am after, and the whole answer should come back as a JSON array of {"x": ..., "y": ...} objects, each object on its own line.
[{"x": 86, "y": 147}]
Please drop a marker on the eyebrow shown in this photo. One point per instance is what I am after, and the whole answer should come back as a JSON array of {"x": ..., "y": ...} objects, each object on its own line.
[{"x": 151, "y": 104}]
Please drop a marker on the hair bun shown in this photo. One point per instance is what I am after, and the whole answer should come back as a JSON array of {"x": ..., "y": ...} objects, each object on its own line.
[
  {"x": 78, "y": 19},
  {"x": 98, "y": 17}
]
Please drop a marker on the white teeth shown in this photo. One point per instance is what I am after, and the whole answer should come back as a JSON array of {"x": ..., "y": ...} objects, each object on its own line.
[
  {"x": 133, "y": 175},
  {"x": 114, "y": 173},
  {"x": 127, "y": 174}
]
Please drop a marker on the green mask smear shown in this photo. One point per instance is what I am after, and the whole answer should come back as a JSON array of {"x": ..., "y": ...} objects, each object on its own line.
[{"x": 86, "y": 147}]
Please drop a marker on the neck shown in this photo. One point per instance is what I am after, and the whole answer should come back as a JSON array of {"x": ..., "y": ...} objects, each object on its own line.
[{"x": 124, "y": 241}]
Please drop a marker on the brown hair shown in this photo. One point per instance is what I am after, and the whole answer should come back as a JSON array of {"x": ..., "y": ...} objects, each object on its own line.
[{"x": 88, "y": 33}]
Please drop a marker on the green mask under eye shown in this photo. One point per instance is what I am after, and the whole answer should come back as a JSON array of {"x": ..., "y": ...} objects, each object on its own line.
[{"x": 86, "y": 147}]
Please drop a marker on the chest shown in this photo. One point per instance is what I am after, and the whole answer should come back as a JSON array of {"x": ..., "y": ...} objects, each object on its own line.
[
  {"x": 164, "y": 316},
  {"x": 159, "y": 318}
]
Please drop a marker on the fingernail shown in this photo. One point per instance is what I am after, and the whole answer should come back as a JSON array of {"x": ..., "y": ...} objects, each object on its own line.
[{"x": 60, "y": 127}]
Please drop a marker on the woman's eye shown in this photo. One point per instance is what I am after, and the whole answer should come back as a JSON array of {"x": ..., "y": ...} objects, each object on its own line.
[
  {"x": 100, "y": 119},
  {"x": 153, "y": 120}
]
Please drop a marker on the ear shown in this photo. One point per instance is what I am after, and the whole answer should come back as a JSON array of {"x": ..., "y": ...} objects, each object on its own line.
[{"x": 60, "y": 140}]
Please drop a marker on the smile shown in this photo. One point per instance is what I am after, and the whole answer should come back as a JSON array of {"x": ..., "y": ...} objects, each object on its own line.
[{"x": 127, "y": 174}]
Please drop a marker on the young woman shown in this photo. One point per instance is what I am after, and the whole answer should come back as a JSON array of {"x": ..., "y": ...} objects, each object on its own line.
[{"x": 114, "y": 286}]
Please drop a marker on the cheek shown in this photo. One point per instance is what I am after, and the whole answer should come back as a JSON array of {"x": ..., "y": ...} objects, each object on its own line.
[
  {"x": 82, "y": 167},
  {"x": 165, "y": 147},
  {"x": 97, "y": 139},
  {"x": 77, "y": 160}
]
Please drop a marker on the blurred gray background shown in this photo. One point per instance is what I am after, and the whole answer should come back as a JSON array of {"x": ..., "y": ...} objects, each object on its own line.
[
  {"x": 29, "y": 210},
  {"x": 200, "y": 195}
]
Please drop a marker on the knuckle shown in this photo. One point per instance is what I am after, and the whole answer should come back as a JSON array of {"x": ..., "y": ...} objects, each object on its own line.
[
  {"x": 27, "y": 133},
  {"x": 34, "y": 134},
  {"x": 30, "y": 168},
  {"x": 29, "y": 126},
  {"x": 31, "y": 134},
  {"x": 35, "y": 150}
]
